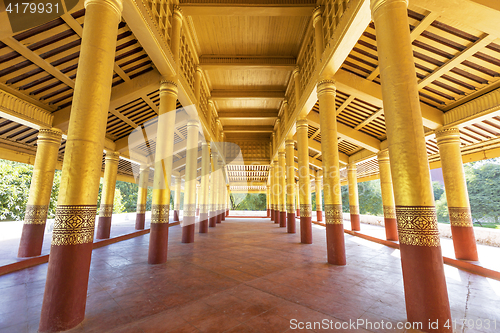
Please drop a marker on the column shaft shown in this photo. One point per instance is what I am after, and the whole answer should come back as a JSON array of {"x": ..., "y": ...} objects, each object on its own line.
[
  {"x": 464, "y": 240},
  {"x": 48, "y": 143},
  {"x": 420, "y": 247},
  {"x": 213, "y": 192},
  {"x": 107, "y": 195},
  {"x": 220, "y": 188},
  {"x": 189, "y": 212},
  {"x": 297, "y": 198},
  {"x": 177, "y": 198},
  {"x": 319, "y": 201},
  {"x": 304, "y": 183},
  {"x": 290, "y": 186},
  {"x": 335, "y": 243},
  {"x": 282, "y": 187},
  {"x": 268, "y": 200},
  {"x": 277, "y": 193},
  {"x": 142, "y": 197},
  {"x": 318, "y": 32},
  {"x": 160, "y": 207},
  {"x": 68, "y": 271},
  {"x": 352, "y": 182},
  {"x": 204, "y": 190},
  {"x": 271, "y": 190},
  {"x": 391, "y": 225}
]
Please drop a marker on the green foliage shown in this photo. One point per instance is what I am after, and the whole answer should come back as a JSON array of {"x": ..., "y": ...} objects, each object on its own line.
[
  {"x": 442, "y": 208},
  {"x": 345, "y": 199},
  {"x": 482, "y": 183},
  {"x": 250, "y": 201},
  {"x": 128, "y": 193},
  {"x": 15, "y": 179},
  {"x": 370, "y": 198},
  {"x": 118, "y": 206},
  {"x": 438, "y": 190}
]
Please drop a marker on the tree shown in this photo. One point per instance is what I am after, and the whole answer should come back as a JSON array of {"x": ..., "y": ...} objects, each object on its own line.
[
  {"x": 128, "y": 193},
  {"x": 370, "y": 198},
  {"x": 15, "y": 179},
  {"x": 248, "y": 201},
  {"x": 442, "y": 209},
  {"x": 438, "y": 190},
  {"x": 482, "y": 183}
]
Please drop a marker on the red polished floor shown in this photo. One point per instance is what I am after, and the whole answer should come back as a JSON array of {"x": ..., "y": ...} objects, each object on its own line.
[{"x": 243, "y": 276}]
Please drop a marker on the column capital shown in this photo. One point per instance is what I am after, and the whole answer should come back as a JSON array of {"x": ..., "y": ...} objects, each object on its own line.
[
  {"x": 112, "y": 156},
  {"x": 447, "y": 135},
  {"x": 198, "y": 69},
  {"x": 326, "y": 86},
  {"x": 178, "y": 12},
  {"x": 376, "y": 4},
  {"x": 168, "y": 86},
  {"x": 302, "y": 123},
  {"x": 296, "y": 71},
  {"x": 285, "y": 101},
  {"x": 116, "y": 5},
  {"x": 317, "y": 14},
  {"x": 351, "y": 167},
  {"x": 193, "y": 122},
  {"x": 289, "y": 143},
  {"x": 281, "y": 153},
  {"x": 383, "y": 156},
  {"x": 50, "y": 135}
]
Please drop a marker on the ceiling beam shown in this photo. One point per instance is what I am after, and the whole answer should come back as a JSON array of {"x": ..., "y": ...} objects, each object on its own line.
[
  {"x": 371, "y": 92},
  {"x": 247, "y": 62},
  {"x": 248, "y": 129},
  {"x": 350, "y": 134},
  {"x": 247, "y": 94},
  {"x": 281, "y": 8},
  {"x": 248, "y": 114}
]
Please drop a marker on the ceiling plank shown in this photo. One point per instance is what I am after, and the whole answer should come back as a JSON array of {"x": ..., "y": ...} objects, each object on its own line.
[
  {"x": 247, "y": 62},
  {"x": 248, "y": 114},
  {"x": 248, "y": 129},
  {"x": 247, "y": 94},
  {"x": 283, "y": 8}
]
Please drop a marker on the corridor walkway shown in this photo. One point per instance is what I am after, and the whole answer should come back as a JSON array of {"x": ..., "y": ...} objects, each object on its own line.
[{"x": 245, "y": 275}]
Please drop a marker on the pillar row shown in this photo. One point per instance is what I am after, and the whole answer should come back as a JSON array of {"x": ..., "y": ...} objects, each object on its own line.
[
  {"x": 464, "y": 241},
  {"x": 282, "y": 187},
  {"x": 142, "y": 197},
  {"x": 108, "y": 194},
  {"x": 66, "y": 285},
  {"x": 203, "y": 195},
  {"x": 268, "y": 202},
  {"x": 420, "y": 248},
  {"x": 335, "y": 243},
  {"x": 212, "y": 219},
  {"x": 276, "y": 191},
  {"x": 304, "y": 183},
  {"x": 391, "y": 225},
  {"x": 352, "y": 182},
  {"x": 48, "y": 143},
  {"x": 189, "y": 212},
  {"x": 290, "y": 186}
]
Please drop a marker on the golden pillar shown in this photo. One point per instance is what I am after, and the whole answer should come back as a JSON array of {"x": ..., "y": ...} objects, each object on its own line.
[
  {"x": 108, "y": 194},
  {"x": 335, "y": 243},
  {"x": 228, "y": 200},
  {"x": 198, "y": 189},
  {"x": 297, "y": 86},
  {"x": 297, "y": 198},
  {"x": 352, "y": 183},
  {"x": 391, "y": 225},
  {"x": 203, "y": 194},
  {"x": 142, "y": 197},
  {"x": 420, "y": 247},
  {"x": 220, "y": 188},
  {"x": 213, "y": 192},
  {"x": 319, "y": 200},
  {"x": 160, "y": 208},
  {"x": 48, "y": 142},
  {"x": 177, "y": 198},
  {"x": 268, "y": 201},
  {"x": 464, "y": 241},
  {"x": 304, "y": 183},
  {"x": 175, "y": 42},
  {"x": 271, "y": 191},
  {"x": 277, "y": 193},
  {"x": 282, "y": 186},
  {"x": 290, "y": 185},
  {"x": 68, "y": 271},
  {"x": 318, "y": 31},
  {"x": 189, "y": 212}
]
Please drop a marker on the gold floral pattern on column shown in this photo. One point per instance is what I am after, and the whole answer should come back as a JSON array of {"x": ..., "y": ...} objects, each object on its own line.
[
  {"x": 141, "y": 208},
  {"x": 389, "y": 212},
  {"x": 333, "y": 214},
  {"x": 74, "y": 224},
  {"x": 36, "y": 214},
  {"x": 189, "y": 210},
  {"x": 159, "y": 213},
  {"x": 106, "y": 210},
  {"x": 417, "y": 225},
  {"x": 305, "y": 210},
  {"x": 460, "y": 216}
]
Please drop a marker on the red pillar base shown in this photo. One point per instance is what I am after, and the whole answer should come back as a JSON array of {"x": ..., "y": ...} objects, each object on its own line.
[
  {"x": 158, "y": 243},
  {"x": 277, "y": 217},
  {"x": 223, "y": 215},
  {"x": 203, "y": 223},
  {"x": 297, "y": 213},
  {"x": 464, "y": 243},
  {"x": 282, "y": 219},
  {"x": 140, "y": 221},
  {"x": 355, "y": 224},
  {"x": 391, "y": 229},
  {"x": 104, "y": 227},
  {"x": 212, "y": 220},
  {"x": 290, "y": 223},
  {"x": 227, "y": 212},
  {"x": 31, "y": 240},
  {"x": 219, "y": 216},
  {"x": 426, "y": 295},
  {"x": 65, "y": 294},
  {"x": 273, "y": 216},
  {"x": 197, "y": 212},
  {"x": 306, "y": 230},
  {"x": 188, "y": 229},
  {"x": 319, "y": 215},
  {"x": 268, "y": 213},
  {"x": 335, "y": 244},
  {"x": 176, "y": 216}
]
